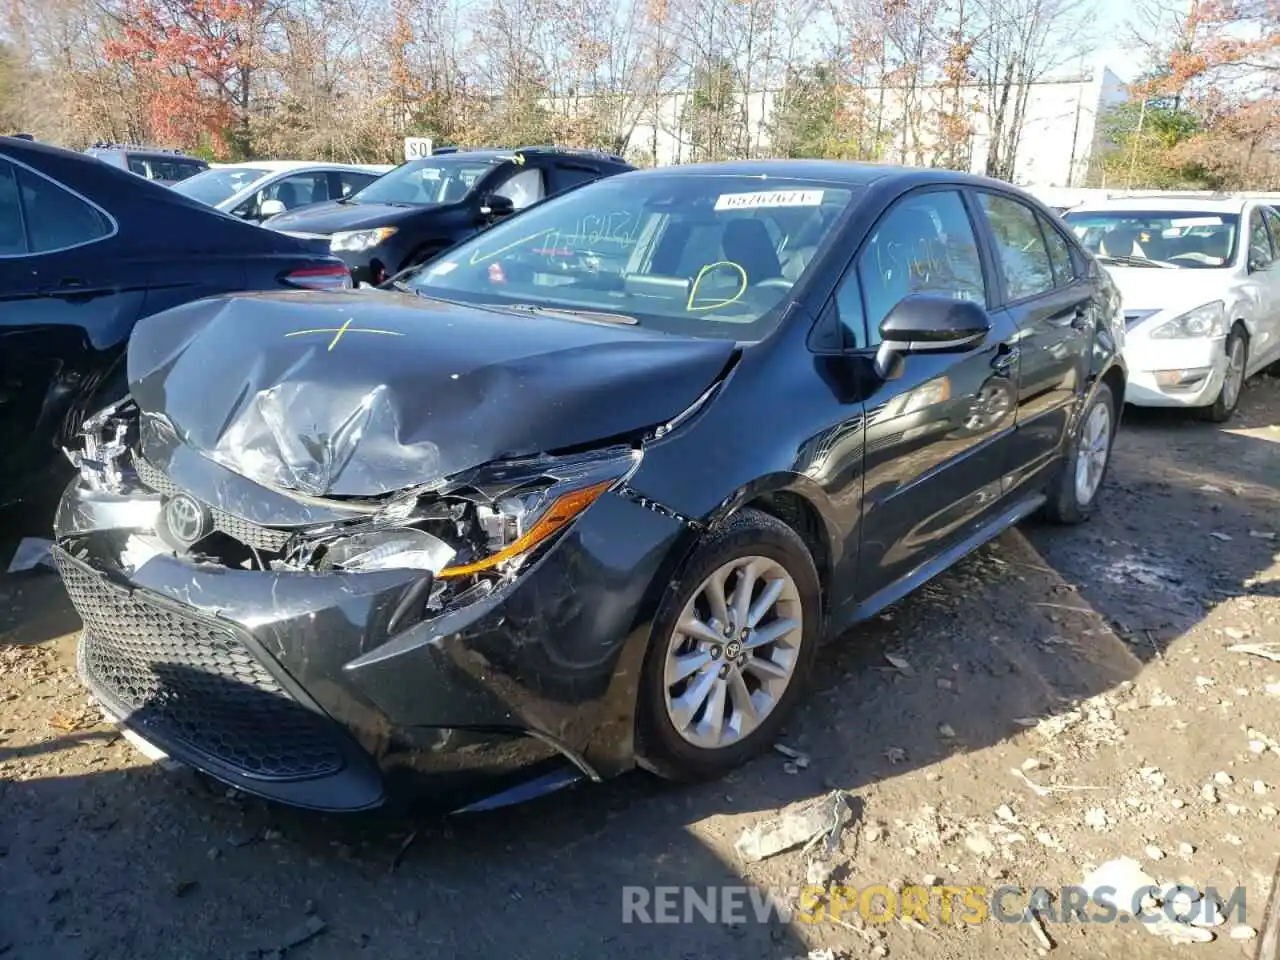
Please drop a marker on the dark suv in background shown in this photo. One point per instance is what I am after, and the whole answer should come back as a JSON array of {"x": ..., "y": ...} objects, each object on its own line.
[
  {"x": 87, "y": 249},
  {"x": 163, "y": 166},
  {"x": 425, "y": 206}
]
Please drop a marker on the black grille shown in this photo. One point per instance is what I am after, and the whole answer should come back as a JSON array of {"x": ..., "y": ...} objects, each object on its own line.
[
  {"x": 250, "y": 534},
  {"x": 191, "y": 679}
]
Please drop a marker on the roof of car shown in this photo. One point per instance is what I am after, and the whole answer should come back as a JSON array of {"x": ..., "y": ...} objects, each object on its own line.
[
  {"x": 1175, "y": 203},
  {"x": 276, "y": 166},
  {"x": 849, "y": 172}
]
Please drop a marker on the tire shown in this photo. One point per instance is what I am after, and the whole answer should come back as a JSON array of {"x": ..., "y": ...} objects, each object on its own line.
[
  {"x": 1224, "y": 407},
  {"x": 778, "y": 554},
  {"x": 1068, "y": 503}
]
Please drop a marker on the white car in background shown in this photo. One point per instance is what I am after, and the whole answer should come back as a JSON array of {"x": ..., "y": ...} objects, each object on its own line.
[
  {"x": 1199, "y": 280},
  {"x": 259, "y": 189}
]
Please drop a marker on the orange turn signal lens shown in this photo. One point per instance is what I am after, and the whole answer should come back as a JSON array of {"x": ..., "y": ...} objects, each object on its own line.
[{"x": 557, "y": 516}]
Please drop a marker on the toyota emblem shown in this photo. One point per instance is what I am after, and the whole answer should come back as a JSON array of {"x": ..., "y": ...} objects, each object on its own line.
[{"x": 187, "y": 520}]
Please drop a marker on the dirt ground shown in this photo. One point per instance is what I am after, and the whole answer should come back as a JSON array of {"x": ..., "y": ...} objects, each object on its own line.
[{"x": 1093, "y": 661}]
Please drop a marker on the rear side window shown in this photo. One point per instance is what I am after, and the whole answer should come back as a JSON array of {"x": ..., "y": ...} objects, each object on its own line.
[
  {"x": 13, "y": 241},
  {"x": 139, "y": 166},
  {"x": 565, "y": 176},
  {"x": 1020, "y": 246},
  {"x": 1064, "y": 269},
  {"x": 56, "y": 218}
]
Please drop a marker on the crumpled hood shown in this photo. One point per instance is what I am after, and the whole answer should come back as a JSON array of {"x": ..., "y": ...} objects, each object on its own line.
[
  {"x": 363, "y": 393},
  {"x": 330, "y": 217},
  {"x": 1155, "y": 288}
]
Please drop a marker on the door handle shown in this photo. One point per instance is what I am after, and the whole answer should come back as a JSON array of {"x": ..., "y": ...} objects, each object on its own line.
[
  {"x": 72, "y": 288},
  {"x": 1006, "y": 356},
  {"x": 1080, "y": 318}
]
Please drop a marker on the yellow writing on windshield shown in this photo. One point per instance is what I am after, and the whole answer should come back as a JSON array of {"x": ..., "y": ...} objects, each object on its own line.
[{"x": 716, "y": 303}]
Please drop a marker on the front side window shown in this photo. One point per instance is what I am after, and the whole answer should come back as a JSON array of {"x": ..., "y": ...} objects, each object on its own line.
[
  {"x": 1188, "y": 240},
  {"x": 1260, "y": 252},
  {"x": 925, "y": 244},
  {"x": 1273, "y": 225},
  {"x": 684, "y": 253},
  {"x": 426, "y": 182},
  {"x": 139, "y": 166},
  {"x": 298, "y": 190},
  {"x": 13, "y": 240},
  {"x": 523, "y": 188},
  {"x": 214, "y": 186},
  {"x": 56, "y": 218},
  {"x": 1020, "y": 245},
  {"x": 350, "y": 183}
]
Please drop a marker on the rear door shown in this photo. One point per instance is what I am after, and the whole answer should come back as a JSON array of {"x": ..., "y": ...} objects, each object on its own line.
[
  {"x": 1054, "y": 306},
  {"x": 67, "y": 302}
]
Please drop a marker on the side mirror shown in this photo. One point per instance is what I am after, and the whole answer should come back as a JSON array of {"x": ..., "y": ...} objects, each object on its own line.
[
  {"x": 494, "y": 206},
  {"x": 1257, "y": 264},
  {"x": 923, "y": 323},
  {"x": 271, "y": 208}
]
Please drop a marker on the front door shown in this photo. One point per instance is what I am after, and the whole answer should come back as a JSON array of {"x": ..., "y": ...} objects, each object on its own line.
[{"x": 934, "y": 432}]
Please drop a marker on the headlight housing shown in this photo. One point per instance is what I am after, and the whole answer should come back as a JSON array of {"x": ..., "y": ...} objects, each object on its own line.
[
  {"x": 521, "y": 505},
  {"x": 1207, "y": 321},
  {"x": 486, "y": 521},
  {"x": 354, "y": 241}
]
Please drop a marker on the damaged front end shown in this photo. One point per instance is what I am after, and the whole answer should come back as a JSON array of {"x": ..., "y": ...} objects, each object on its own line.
[{"x": 310, "y": 649}]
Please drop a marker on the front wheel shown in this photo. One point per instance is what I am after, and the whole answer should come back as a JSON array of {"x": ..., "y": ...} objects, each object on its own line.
[
  {"x": 732, "y": 647},
  {"x": 1237, "y": 348},
  {"x": 1075, "y": 491}
]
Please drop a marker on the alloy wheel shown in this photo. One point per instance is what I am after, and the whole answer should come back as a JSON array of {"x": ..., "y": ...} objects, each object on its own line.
[
  {"x": 1234, "y": 378},
  {"x": 1093, "y": 448},
  {"x": 733, "y": 652}
]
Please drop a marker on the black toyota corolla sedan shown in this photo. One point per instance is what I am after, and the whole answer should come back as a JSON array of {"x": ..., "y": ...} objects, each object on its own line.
[{"x": 588, "y": 491}]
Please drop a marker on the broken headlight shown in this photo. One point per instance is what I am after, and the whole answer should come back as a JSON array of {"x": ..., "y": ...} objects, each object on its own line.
[
  {"x": 389, "y": 549},
  {"x": 501, "y": 512}
]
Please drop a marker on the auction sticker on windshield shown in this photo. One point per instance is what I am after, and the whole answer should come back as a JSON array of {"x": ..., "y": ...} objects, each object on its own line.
[{"x": 769, "y": 198}]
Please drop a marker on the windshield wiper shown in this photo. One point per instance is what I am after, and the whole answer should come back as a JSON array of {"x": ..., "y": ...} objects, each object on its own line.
[
  {"x": 602, "y": 316},
  {"x": 1137, "y": 262}
]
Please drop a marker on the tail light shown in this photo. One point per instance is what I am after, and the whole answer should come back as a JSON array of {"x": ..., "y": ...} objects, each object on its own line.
[{"x": 335, "y": 277}]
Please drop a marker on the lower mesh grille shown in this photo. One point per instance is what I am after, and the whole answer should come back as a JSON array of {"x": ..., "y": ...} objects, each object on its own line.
[
  {"x": 192, "y": 680},
  {"x": 250, "y": 534}
]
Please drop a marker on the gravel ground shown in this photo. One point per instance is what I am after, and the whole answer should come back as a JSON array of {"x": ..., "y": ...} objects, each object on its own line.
[{"x": 1095, "y": 659}]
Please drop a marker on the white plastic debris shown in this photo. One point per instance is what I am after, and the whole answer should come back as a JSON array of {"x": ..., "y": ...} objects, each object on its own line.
[
  {"x": 809, "y": 822},
  {"x": 32, "y": 552},
  {"x": 1117, "y": 882}
]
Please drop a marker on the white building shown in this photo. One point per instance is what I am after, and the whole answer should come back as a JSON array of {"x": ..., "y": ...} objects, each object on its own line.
[{"x": 1060, "y": 130}]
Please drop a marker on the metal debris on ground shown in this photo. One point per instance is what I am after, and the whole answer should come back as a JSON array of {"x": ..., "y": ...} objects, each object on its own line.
[
  {"x": 32, "y": 552},
  {"x": 811, "y": 822},
  {"x": 1040, "y": 791},
  {"x": 1038, "y": 930},
  {"x": 901, "y": 665},
  {"x": 1268, "y": 651}
]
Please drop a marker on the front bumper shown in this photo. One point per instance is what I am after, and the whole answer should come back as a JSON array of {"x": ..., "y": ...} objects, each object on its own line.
[
  {"x": 1153, "y": 364},
  {"x": 290, "y": 685},
  {"x": 374, "y": 265}
]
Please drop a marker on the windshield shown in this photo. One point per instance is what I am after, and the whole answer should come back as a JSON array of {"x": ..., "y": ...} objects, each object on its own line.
[
  {"x": 214, "y": 186},
  {"x": 426, "y": 182},
  {"x": 1184, "y": 239},
  {"x": 700, "y": 255}
]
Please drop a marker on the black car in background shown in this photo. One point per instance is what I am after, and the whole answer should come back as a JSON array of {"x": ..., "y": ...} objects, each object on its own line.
[
  {"x": 164, "y": 166},
  {"x": 591, "y": 489},
  {"x": 410, "y": 214},
  {"x": 86, "y": 249}
]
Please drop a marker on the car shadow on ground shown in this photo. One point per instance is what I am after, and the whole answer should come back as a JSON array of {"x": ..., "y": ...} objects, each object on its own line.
[{"x": 145, "y": 863}]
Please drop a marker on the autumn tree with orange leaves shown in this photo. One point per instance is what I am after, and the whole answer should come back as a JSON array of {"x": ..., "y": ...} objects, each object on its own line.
[
  {"x": 193, "y": 60},
  {"x": 1208, "y": 112}
]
